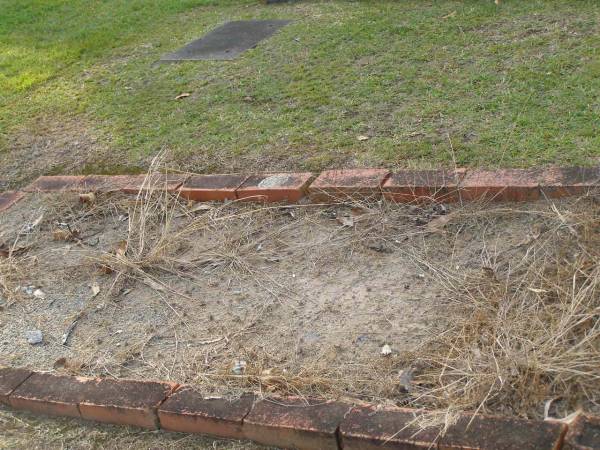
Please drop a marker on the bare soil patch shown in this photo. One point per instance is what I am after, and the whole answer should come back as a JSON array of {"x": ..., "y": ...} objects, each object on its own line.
[
  {"x": 484, "y": 307},
  {"x": 302, "y": 295}
]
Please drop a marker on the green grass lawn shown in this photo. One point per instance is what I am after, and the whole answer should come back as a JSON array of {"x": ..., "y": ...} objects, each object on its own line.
[{"x": 429, "y": 82}]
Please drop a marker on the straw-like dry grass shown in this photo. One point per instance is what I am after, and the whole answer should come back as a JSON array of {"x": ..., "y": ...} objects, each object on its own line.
[
  {"x": 518, "y": 330},
  {"x": 526, "y": 339}
]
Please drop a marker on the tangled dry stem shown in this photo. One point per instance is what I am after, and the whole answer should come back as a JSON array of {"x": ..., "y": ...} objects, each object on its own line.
[
  {"x": 526, "y": 329},
  {"x": 527, "y": 335}
]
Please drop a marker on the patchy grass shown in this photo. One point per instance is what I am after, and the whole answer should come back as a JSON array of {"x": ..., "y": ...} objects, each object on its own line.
[
  {"x": 429, "y": 82},
  {"x": 23, "y": 430}
]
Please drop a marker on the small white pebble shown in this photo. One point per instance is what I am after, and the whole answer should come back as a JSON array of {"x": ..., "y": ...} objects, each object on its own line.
[{"x": 386, "y": 350}]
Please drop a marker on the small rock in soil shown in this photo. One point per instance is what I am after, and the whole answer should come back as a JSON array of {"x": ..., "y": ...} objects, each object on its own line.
[
  {"x": 239, "y": 367},
  {"x": 362, "y": 339},
  {"x": 420, "y": 221},
  {"x": 440, "y": 209},
  {"x": 311, "y": 337},
  {"x": 386, "y": 350},
  {"x": 28, "y": 289},
  {"x": 405, "y": 380},
  {"x": 381, "y": 247},
  {"x": 34, "y": 337}
]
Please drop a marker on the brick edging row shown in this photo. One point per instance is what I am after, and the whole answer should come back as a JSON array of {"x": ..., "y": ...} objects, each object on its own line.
[
  {"x": 285, "y": 422},
  {"x": 404, "y": 186}
]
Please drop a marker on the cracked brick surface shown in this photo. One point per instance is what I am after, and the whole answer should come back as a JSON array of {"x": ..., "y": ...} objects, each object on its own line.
[
  {"x": 284, "y": 422},
  {"x": 11, "y": 379},
  {"x": 9, "y": 198},
  {"x": 295, "y": 423},
  {"x": 412, "y": 186},
  {"x": 583, "y": 434},
  {"x": 212, "y": 187},
  {"x": 188, "y": 411},
  {"x": 275, "y": 187},
  {"x": 348, "y": 185}
]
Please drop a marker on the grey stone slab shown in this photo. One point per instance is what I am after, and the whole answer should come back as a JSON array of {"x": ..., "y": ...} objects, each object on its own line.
[{"x": 227, "y": 41}]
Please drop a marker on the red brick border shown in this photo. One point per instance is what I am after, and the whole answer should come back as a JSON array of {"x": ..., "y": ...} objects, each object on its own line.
[
  {"x": 9, "y": 198},
  {"x": 584, "y": 433},
  {"x": 335, "y": 186},
  {"x": 348, "y": 185},
  {"x": 286, "y": 422}
]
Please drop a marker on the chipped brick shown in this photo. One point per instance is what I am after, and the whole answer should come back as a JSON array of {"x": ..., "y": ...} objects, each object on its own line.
[
  {"x": 275, "y": 187},
  {"x": 124, "y": 402},
  {"x": 500, "y": 433},
  {"x": 9, "y": 198},
  {"x": 52, "y": 395},
  {"x": 410, "y": 186},
  {"x": 292, "y": 423},
  {"x": 514, "y": 185},
  {"x": 187, "y": 411},
  {"x": 583, "y": 434},
  {"x": 371, "y": 428},
  {"x": 10, "y": 379},
  {"x": 204, "y": 188},
  {"x": 562, "y": 182},
  {"x": 348, "y": 185}
]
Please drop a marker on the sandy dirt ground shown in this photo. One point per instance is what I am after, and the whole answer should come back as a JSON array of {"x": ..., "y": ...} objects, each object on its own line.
[{"x": 277, "y": 300}]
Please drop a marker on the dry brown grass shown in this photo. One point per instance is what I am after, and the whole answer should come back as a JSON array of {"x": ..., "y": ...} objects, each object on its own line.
[
  {"x": 526, "y": 339},
  {"x": 525, "y": 332},
  {"x": 526, "y": 336}
]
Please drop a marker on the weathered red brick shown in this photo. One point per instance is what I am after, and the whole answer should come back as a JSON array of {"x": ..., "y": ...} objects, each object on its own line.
[
  {"x": 154, "y": 181},
  {"x": 108, "y": 183},
  {"x": 409, "y": 186},
  {"x": 52, "y": 395},
  {"x": 502, "y": 185},
  {"x": 348, "y": 185},
  {"x": 124, "y": 402},
  {"x": 204, "y": 188},
  {"x": 371, "y": 428},
  {"x": 561, "y": 182},
  {"x": 583, "y": 434},
  {"x": 10, "y": 379},
  {"x": 9, "y": 198},
  {"x": 294, "y": 423},
  {"x": 502, "y": 433},
  {"x": 275, "y": 187},
  {"x": 132, "y": 184},
  {"x": 187, "y": 411},
  {"x": 55, "y": 183}
]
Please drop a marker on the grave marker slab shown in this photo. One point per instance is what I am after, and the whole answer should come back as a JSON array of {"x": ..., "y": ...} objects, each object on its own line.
[{"x": 227, "y": 41}]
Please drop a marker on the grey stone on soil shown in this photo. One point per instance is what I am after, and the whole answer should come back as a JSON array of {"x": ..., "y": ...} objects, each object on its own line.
[
  {"x": 227, "y": 41},
  {"x": 34, "y": 337},
  {"x": 274, "y": 181}
]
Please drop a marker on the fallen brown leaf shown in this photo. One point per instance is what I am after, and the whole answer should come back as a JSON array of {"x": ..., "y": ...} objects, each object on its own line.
[
  {"x": 438, "y": 223},
  {"x": 121, "y": 248},
  {"x": 87, "y": 198},
  {"x": 345, "y": 221}
]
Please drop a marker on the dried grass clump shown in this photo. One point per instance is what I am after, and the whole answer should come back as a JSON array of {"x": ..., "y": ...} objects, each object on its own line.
[
  {"x": 9, "y": 268},
  {"x": 527, "y": 335}
]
